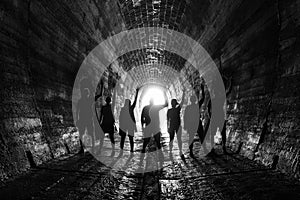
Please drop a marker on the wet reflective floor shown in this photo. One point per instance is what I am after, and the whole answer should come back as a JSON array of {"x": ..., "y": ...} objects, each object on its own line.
[{"x": 218, "y": 176}]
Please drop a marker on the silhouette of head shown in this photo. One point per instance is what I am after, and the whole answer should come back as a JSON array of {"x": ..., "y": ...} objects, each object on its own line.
[
  {"x": 127, "y": 103},
  {"x": 193, "y": 99},
  {"x": 174, "y": 103},
  {"x": 151, "y": 101},
  {"x": 108, "y": 100}
]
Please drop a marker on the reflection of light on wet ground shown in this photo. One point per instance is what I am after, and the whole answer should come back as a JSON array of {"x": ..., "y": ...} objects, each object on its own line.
[
  {"x": 131, "y": 162},
  {"x": 218, "y": 177}
]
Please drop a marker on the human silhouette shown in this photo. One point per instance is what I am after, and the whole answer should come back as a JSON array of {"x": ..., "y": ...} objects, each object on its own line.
[
  {"x": 192, "y": 121},
  {"x": 150, "y": 121},
  {"x": 223, "y": 132},
  {"x": 98, "y": 130},
  {"x": 174, "y": 125},
  {"x": 200, "y": 131},
  {"x": 85, "y": 117},
  {"x": 107, "y": 121},
  {"x": 127, "y": 122},
  {"x": 223, "y": 112}
]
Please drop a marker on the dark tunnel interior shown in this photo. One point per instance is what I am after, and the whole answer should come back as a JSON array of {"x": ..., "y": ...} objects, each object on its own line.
[{"x": 252, "y": 45}]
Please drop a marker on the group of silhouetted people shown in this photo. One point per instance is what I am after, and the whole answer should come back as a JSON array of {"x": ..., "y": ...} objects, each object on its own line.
[{"x": 150, "y": 121}]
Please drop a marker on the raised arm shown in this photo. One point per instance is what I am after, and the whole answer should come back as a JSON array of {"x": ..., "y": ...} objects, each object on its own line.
[
  {"x": 135, "y": 99},
  {"x": 182, "y": 100}
]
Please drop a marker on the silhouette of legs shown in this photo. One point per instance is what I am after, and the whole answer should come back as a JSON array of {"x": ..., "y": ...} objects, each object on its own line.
[
  {"x": 191, "y": 142},
  {"x": 159, "y": 150},
  {"x": 90, "y": 133},
  {"x": 157, "y": 140},
  {"x": 202, "y": 134},
  {"x": 172, "y": 135},
  {"x": 123, "y": 137},
  {"x": 102, "y": 136},
  {"x": 112, "y": 140},
  {"x": 223, "y": 134},
  {"x": 131, "y": 142},
  {"x": 81, "y": 133},
  {"x": 147, "y": 140},
  {"x": 179, "y": 134},
  {"x": 145, "y": 143}
]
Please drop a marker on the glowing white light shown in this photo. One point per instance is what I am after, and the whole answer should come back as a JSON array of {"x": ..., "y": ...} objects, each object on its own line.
[
  {"x": 157, "y": 94},
  {"x": 154, "y": 93}
]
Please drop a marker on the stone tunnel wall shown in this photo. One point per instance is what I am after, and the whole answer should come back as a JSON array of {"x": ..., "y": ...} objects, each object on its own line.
[
  {"x": 44, "y": 43},
  {"x": 257, "y": 44}
]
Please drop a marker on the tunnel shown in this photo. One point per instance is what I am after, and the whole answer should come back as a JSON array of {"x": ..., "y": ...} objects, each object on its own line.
[{"x": 239, "y": 60}]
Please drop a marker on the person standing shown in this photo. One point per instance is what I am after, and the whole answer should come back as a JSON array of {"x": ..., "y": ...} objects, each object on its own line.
[
  {"x": 174, "y": 125},
  {"x": 192, "y": 121},
  {"x": 127, "y": 122},
  {"x": 85, "y": 117},
  {"x": 150, "y": 121},
  {"x": 107, "y": 122}
]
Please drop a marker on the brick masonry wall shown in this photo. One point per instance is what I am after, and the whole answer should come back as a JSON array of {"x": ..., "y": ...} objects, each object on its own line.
[
  {"x": 257, "y": 44},
  {"x": 44, "y": 43}
]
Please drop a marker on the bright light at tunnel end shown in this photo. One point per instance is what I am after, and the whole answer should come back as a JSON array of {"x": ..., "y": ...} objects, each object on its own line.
[
  {"x": 101, "y": 57},
  {"x": 155, "y": 93}
]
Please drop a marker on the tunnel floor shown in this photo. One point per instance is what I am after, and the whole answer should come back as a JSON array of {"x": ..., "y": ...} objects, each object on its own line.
[{"x": 220, "y": 176}]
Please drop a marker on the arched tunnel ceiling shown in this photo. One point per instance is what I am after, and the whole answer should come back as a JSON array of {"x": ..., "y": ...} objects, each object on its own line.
[
  {"x": 151, "y": 56},
  {"x": 153, "y": 73},
  {"x": 146, "y": 13},
  {"x": 164, "y": 70},
  {"x": 150, "y": 63}
]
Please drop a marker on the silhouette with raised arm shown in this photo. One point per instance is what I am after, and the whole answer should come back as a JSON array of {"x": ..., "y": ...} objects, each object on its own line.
[
  {"x": 150, "y": 121},
  {"x": 85, "y": 117},
  {"x": 192, "y": 121},
  {"x": 127, "y": 122},
  {"x": 223, "y": 131},
  {"x": 107, "y": 122},
  {"x": 174, "y": 125}
]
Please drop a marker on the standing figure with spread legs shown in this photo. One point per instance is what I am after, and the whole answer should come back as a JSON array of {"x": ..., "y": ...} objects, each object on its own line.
[
  {"x": 174, "y": 125},
  {"x": 107, "y": 122},
  {"x": 127, "y": 122}
]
